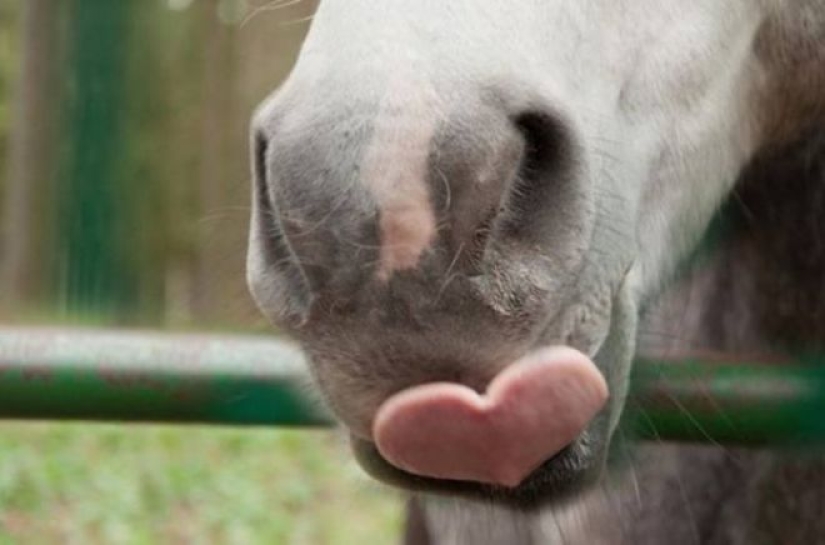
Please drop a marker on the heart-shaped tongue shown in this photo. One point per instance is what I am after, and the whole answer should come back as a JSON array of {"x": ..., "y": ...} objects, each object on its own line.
[{"x": 530, "y": 412}]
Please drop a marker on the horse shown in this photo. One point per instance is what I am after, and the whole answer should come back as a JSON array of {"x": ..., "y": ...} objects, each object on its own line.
[{"x": 471, "y": 215}]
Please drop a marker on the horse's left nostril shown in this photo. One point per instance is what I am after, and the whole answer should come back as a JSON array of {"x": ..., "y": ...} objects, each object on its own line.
[
  {"x": 541, "y": 161},
  {"x": 544, "y": 138},
  {"x": 544, "y": 179},
  {"x": 506, "y": 185}
]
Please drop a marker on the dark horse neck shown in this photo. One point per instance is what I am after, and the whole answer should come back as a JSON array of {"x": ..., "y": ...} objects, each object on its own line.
[{"x": 757, "y": 285}]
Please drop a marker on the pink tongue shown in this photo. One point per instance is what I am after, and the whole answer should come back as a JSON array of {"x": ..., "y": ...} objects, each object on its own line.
[{"x": 531, "y": 411}]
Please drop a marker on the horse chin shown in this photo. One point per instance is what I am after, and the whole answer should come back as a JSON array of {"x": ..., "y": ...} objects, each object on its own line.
[
  {"x": 561, "y": 478},
  {"x": 575, "y": 468}
]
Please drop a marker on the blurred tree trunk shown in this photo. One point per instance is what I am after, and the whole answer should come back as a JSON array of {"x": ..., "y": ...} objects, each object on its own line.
[
  {"x": 32, "y": 154},
  {"x": 218, "y": 139},
  {"x": 148, "y": 153}
]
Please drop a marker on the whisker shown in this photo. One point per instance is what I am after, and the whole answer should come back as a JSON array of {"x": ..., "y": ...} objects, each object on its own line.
[
  {"x": 275, "y": 5},
  {"x": 298, "y": 21}
]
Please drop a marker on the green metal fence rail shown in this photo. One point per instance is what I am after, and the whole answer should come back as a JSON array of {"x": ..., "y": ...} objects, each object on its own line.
[
  {"x": 743, "y": 402},
  {"x": 60, "y": 374}
]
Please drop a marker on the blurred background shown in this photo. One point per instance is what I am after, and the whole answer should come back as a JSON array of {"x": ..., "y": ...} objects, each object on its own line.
[{"x": 124, "y": 202}]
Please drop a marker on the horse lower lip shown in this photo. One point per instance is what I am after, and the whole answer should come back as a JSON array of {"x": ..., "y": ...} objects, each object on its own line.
[{"x": 558, "y": 477}]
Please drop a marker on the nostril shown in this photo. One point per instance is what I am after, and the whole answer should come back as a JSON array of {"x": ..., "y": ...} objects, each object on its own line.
[
  {"x": 533, "y": 184},
  {"x": 259, "y": 150},
  {"x": 544, "y": 142},
  {"x": 543, "y": 194},
  {"x": 544, "y": 154},
  {"x": 503, "y": 190},
  {"x": 276, "y": 278}
]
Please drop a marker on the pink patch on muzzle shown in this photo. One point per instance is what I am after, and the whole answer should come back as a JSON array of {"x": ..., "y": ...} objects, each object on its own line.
[{"x": 531, "y": 411}]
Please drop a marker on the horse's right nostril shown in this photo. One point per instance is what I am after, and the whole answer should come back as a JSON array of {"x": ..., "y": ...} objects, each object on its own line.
[
  {"x": 275, "y": 275},
  {"x": 259, "y": 147}
]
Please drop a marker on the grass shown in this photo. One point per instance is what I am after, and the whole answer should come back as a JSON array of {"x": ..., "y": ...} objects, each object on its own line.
[{"x": 136, "y": 485}]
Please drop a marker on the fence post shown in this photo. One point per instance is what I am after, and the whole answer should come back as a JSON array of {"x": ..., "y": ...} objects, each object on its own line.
[{"x": 93, "y": 240}]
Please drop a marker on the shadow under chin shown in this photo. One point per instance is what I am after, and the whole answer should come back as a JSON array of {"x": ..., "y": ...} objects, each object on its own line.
[{"x": 558, "y": 479}]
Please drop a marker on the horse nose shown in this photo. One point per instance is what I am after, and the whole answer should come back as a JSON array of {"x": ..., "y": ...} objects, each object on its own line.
[
  {"x": 313, "y": 224},
  {"x": 344, "y": 203}
]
